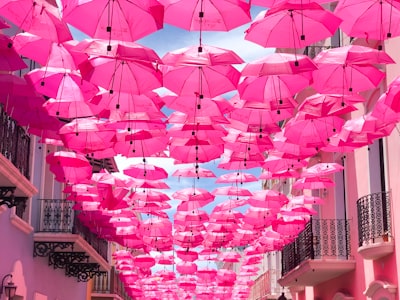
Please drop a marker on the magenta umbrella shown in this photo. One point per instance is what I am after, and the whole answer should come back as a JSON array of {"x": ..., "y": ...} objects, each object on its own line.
[
  {"x": 237, "y": 177},
  {"x": 291, "y": 25},
  {"x": 369, "y": 19},
  {"x": 10, "y": 60},
  {"x": 129, "y": 20},
  {"x": 69, "y": 167},
  {"x": 338, "y": 78},
  {"x": 353, "y": 54},
  {"x": 59, "y": 83},
  {"x": 322, "y": 105},
  {"x": 194, "y": 150},
  {"x": 193, "y": 194},
  {"x": 200, "y": 56},
  {"x": 279, "y": 64},
  {"x": 207, "y": 15},
  {"x": 195, "y": 106},
  {"x": 195, "y": 171},
  {"x": 313, "y": 132},
  {"x": 68, "y": 108},
  {"x": 205, "y": 81},
  {"x": 290, "y": 150},
  {"x": 231, "y": 191},
  {"x": 322, "y": 169},
  {"x": 87, "y": 135},
  {"x": 126, "y": 102},
  {"x": 46, "y": 52},
  {"x": 121, "y": 75},
  {"x": 313, "y": 183},
  {"x": 141, "y": 143},
  {"x": 145, "y": 171},
  {"x": 37, "y": 17},
  {"x": 270, "y": 88}
]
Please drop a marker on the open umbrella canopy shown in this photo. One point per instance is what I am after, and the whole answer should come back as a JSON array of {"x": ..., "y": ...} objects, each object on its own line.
[{"x": 200, "y": 110}]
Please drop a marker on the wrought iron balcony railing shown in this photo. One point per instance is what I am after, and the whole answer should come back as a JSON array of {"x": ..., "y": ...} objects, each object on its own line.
[
  {"x": 321, "y": 238},
  {"x": 15, "y": 143},
  {"x": 58, "y": 216},
  {"x": 374, "y": 218},
  {"x": 109, "y": 284}
]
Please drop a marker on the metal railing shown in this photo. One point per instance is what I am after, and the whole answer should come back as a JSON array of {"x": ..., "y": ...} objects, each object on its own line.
[
  {"x": 320, "y": 238},
  {"x": 374, "y": 218},
  {"x": 15, "y": 143},
  {"x": 58, "y": 216},
  {"x": 110, "y": 283}
]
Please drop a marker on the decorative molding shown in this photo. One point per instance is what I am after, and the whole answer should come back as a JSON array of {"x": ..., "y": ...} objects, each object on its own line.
[
  {"x": 376, "y": 250},
  {"x": 21, "y": 224},
  {"x": 376, "y": 285},
  {"x": 8, "y": 170},
  {"x": 342, "y": 296}
]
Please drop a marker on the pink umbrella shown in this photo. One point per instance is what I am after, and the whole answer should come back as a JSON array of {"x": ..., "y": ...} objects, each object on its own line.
[
  {"x": 37, "y": 17},
  {"x": 207, "y": 15},
  {"x": 238, "y": 177},
  {"x": 144, "y": 261},
  {"x": 313, "y": 183},
  {"x": 186, "y": 267},
  {"x": 193, "y": 194},
  {"x": 271, "y": 88},
  {"x": 231, "y": 191},
  {"x": 279, "y": 174},
  {"x": 10, "y": 61},
  {"x": 140, "y": 143},
  {"x": 145, "y": 171},
  {"x": 290, "y": 150},
  {"x": 121, "y": 75},
  {"x": 313, "y": 132},
  {"x": 193, "y": 217},
  {"x": 126, "y": 102},
  {"x": 194, "y": 150},
  {"x": 68, "y": 108},
  {"x": 187, "y": 255},
  {"x": 69, "y": 167},
  {"x": 298, "y": 210},
  {"x": 322, "y": 169},
  {"x": 196, "y": 106},
  {"x": 279, "y": 64},
  {"x": 322, "y": 105},
  {"x": 46, "y": 52},
  {"x": 291, "y": 25},
  {"x": 200, "y": 56},
  {"x": 304, "y": 199},
  {"x": 245, "y": 118},
  {"x": 337, "y": 78},
  {"x": 229, "y": 204},
  {"x": 60, "y": 84},
  {"x": 129, "y": 21},
  {"x": 195, "y": 171},
  {"x": 369, "y": 19},
  {"x": 207, "y": 81},
  {"x": 277, "y": 163},
  {"x": 149, "y": 196},
  {"x": 86, "y": 135},
  {"x": 122, "y": 50},
  {"x": 354, "y": 55}
]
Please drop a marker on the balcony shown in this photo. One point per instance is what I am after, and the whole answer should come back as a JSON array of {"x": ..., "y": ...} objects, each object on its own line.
[
  {"x": 14, "y": 161},
  {"x": 321, "y": 252},
  {"x": 374, "y": 226},
  {"x": 67, "y": 243},
  {"x": 108, "y": 287}
]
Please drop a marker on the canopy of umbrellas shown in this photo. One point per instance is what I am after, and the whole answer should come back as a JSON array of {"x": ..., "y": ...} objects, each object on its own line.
[{"x": 97, "y": 97}]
